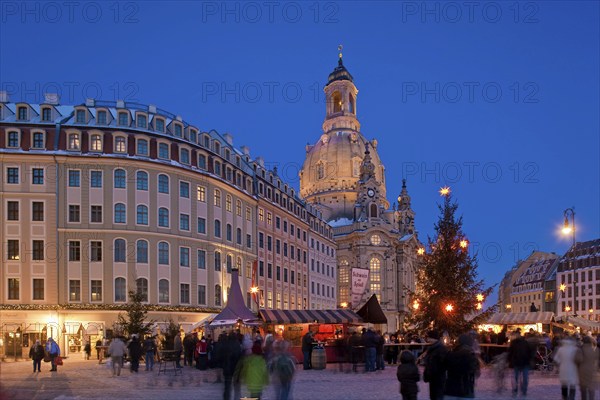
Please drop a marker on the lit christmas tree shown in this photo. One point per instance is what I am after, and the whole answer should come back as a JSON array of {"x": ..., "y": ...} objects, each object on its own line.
[{"x": 449, "y": 296}]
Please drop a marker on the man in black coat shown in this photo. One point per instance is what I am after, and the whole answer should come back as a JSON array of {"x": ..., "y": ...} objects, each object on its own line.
[
  {"x": 434, "y": 372},
  {"x": 230, "y": 353},
  {"x": 520, "y": 357},
  {"x": 462, "y": 366},
  {"x": 307, "y": 347}
]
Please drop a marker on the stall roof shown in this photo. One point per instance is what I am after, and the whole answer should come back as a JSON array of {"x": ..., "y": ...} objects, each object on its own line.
[
  {"x": 340, "y": 316},
  {"x": 371, "y": 312},
  {"x": 583, "y": 323},
  {"x": 544, "y": 317}
]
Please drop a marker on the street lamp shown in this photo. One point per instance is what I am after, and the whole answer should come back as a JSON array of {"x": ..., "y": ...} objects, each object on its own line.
[{"x": 566, "y": 230}]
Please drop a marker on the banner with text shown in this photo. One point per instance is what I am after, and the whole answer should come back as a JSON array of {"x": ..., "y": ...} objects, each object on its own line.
[{"x": 360, "y": 277}]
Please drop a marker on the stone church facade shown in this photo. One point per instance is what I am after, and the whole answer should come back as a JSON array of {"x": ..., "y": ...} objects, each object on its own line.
[{"x": 344, "y": 178}]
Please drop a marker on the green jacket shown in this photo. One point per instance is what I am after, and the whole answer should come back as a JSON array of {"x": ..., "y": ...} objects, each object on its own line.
[{"x": 254, "y": 372}]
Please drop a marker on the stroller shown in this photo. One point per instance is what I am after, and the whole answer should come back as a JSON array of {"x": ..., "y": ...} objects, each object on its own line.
[{"x": 543, "y": 359}]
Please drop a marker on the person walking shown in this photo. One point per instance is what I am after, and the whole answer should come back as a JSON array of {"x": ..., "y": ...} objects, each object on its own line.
[
  {"x": 135, "y": 352},
  {"x": 355, "y": 344},
  {"x": 149, "y": 351},
  {"x": 567, "y": 357},
  {"x": 117, "y": 350},
  {"x": 201, "y": 353},
  {"x": 588, "y": 368},
  {"x": 254, "y": 371},
  {"x": 188, "y": 349},
  {"x": 36, "y": 353},
  {"x": 98, "y": 348},
  {"x": 462, "y": 366},
  {"x": 520, "y": 357},
  {"x": 231, "y": 351},
  {"x": 435, "y": 372},
  {"x": 408, "y": 376},
  {"x": 282, "y": 367},
  {"x": 307, "y": 346},
  {"x": 54, "y": 351},
  {"x": 88, "y": 350}
]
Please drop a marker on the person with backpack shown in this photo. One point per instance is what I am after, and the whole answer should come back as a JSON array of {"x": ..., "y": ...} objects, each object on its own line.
[
  {"x": 54, "y": 351},
  {"x": 282, "y": 367}
]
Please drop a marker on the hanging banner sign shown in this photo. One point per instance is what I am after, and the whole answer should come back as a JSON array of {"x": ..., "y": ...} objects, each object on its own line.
[{"x": 360, "y": 277}]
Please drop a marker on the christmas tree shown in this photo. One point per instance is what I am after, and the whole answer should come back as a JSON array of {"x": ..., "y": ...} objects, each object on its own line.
[
  {"x": 449, "y": 296},
  {"x": 133, "y": 321}
]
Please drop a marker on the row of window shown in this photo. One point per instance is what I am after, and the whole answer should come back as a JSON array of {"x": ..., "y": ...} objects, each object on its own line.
[
  {"x": 288, "y": 275},
  {"x": 322, "y": 290},
  {"x": 294, "y": 253},
  {"x": 323, "y": 268},
  {"x": 120, "y": 291},
  {"x": 13, "y": 211},
  {"x": 580, "y": 276}
]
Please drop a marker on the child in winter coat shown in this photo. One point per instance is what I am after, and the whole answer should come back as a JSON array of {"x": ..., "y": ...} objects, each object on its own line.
[{"x": 408, "y": 375}]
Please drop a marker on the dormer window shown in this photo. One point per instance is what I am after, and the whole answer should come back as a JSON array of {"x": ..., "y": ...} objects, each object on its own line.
[
  {"x": 159, "y": 124},
  {"x": 123, "y": 119},
  {"x": 177, "y": 130},
  {"x": 13, "y": 140},
  {"x": 201, "y": 161},
  {"x": 227, "y": 154},
  {"x": 80, "y": 116},
  {"x": 206, "y": 141},
  {"x": 193, "y": 135},
  {"x": 74, "y": 142},
  {"x": 22, "y": 113},
  {"x": 142, "y": 122},
  {"x": 101, "y": 118},
  {"x": 217, "y": 168},
  {"x": 217, "y": 148},
  {"x": 46, "y": 114}
]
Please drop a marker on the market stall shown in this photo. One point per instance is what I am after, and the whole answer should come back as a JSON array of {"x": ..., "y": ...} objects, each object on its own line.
[
  {"x": 330, "y": 328},
  {"x": 539, "y": 321}
]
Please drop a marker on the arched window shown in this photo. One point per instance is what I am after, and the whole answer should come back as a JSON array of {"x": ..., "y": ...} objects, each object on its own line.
[
  {"x": 229, "y": 233},
  {"x": 163, "y": 217},
  {"x": 373, "y": 210},
  {"x": 120, "y": 290},
  {"x": 217, "y": 199},
  {"x": 142, "y": 215},
  {"x": 163, "y": 183},
  {"x": 120, "y": 144},
  {"x": 344, "y": 274},
  {"x": 320, "y": 170},
  {"x": 238, "y": 236},
  {"x": 228, "y": 203},
  {"x": 119, "y": 250},
  {"x": 375, "y": 278},
  {"x": 163, "y": 291},
  {"x": 163, "y": 151},
  {"x": 142, "y": 252},
  {"x": 96, "y": 143},
  {"x": 336, "y": 98},
  {"x": 217, "y": 260},
  {"x": 120, "y": 214},
  {"x": 229, "y": 262},
  {"x": 201, "y": 161},
  {"x": 351, "y": 104},
  {"x": 142, "y": 288},
  {"x": 163, "y": 253},
  {"x": 142, "y": 180},
  {"x": 238, "y": 208},
  {"x": 119, "y": 179},
  {"x": 217, "y": 295}
]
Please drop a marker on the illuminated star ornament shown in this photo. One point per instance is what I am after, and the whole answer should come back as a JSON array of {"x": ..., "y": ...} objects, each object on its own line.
[
  {"x": 562, "y": 287},
  {"x": 480, "y": 297},
  {"x": 464, "y": 244},
  {"x": 445, "y": 191},
  {"x": 421, "y": 251},
  {"x": 449, "y": 307}
]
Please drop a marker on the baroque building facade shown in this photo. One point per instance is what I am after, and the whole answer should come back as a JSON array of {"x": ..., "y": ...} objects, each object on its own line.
[
  {"x": 105, "y": 197},
  {"x": 344, "y": 178}
]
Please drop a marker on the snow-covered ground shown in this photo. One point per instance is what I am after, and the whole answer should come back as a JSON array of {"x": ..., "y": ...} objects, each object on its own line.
[{"x": 80, "y": 379}]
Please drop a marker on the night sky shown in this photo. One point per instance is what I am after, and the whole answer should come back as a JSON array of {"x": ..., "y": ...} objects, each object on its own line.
[{"x": 498, "y": 100}]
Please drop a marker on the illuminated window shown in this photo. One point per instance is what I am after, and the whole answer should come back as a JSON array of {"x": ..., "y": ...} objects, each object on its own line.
[
  {"x": 375, "y": 240},
  {"x": 120, "y": 145},
  {"x": 228, "y": 203},
  {"x": 96, "y": 143},
  {"x": 217, "y": 198},
  {"x": 201, "y": 194}
]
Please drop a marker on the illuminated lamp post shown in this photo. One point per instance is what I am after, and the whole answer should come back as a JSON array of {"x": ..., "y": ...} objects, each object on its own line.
[{"x": 566, "y": 230}]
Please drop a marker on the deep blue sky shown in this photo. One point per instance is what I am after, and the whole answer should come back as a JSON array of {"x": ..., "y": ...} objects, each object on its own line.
[{"x": 515, "y": 159}]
